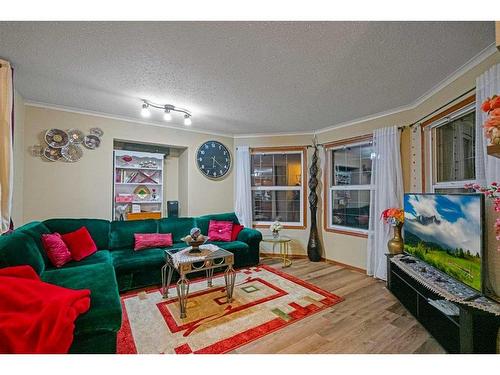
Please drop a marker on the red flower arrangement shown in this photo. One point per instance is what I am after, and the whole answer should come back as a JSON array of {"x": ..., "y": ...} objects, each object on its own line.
[
  {"x": 492, "y": 124},
  {"x": 393, "y": 216}
]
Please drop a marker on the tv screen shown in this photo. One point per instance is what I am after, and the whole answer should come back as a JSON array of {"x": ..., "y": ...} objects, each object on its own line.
[{"x": 446, "y": 232}]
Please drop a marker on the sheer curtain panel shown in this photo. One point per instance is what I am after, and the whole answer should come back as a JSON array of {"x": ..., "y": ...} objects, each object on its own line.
[
  {"x": 243, "y": 192},
  {"x": 6, "y": 152}
]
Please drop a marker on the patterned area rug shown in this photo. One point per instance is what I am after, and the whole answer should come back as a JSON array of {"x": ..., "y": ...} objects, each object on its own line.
[{"x": 265, "y": 300}]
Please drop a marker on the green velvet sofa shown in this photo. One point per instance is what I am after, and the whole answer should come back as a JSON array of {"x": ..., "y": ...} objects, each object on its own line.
[{"x": 115, "y": 267}]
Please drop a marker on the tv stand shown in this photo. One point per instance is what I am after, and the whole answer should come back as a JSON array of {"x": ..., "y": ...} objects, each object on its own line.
[{"x": 457, "y": 325}]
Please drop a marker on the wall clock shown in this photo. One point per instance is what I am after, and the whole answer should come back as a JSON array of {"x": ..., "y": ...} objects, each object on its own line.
[{"x": 213, "y": 160}]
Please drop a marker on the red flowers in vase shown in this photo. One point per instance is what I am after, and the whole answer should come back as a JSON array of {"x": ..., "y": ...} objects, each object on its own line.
[
  {"x": 492, "y": 124},
  {"x": 393, "y": 216}
]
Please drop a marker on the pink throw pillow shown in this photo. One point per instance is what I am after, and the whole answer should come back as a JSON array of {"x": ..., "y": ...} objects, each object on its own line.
[
  {"x": 150, "y": 240},
  {"x": 56, "y": 249},
  {"x": 220, "y": 230}
]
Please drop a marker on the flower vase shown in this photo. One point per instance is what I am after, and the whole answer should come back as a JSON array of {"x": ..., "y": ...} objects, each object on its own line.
[
  {"x": 395, "y": 244},
  {"x": 276, "y": 234}
]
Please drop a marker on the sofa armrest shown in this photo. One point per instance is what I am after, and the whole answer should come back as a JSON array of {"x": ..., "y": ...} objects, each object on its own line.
[{"x": 250, "y": 236}]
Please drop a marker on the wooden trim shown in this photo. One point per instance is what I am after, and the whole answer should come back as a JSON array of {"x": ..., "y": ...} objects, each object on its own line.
[
  {"x": 277, "y": 149},
  {"x": 303, "y": 150},
  {"x": 446, "y": 112},
  {"x": 326, "y": 181},
  {"x": 284, "y": 226},
  {"x": 279, "y": 257},
  {"x": 497, "y": 34},
  {"x": 347, "y": 141},
  {"x": 353, "y": 232}
]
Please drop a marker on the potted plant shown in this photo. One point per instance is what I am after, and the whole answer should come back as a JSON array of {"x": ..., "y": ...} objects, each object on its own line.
[{"x": 394, "y": 217}]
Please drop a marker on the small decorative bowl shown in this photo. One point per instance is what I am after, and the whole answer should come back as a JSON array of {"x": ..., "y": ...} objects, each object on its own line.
[{"x": 195, "y": 244}]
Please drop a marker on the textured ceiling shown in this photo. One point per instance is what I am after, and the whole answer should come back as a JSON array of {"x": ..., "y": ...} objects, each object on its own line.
[{"x": 239, "y": 77}]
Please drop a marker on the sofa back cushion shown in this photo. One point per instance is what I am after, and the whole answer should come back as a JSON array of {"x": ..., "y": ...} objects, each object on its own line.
[
  {"x": 98, "y": 229},
  {"x": 17, "y": 248},
  {"x": 203, "y": 222},
  {"x": 121, "y": 235},
  {"x": 34, "y": 230},
  {"x": 178, "y": 226}
]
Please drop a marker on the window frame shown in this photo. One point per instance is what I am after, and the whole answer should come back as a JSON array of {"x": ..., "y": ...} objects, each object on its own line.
[
  {"x": 429, "y": 147},
  {"x": 302, "y": 150},
  {"x": 329, "y": 187}
]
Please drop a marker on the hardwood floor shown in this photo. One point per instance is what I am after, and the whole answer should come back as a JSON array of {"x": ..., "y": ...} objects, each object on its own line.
[{"x": 370, "y": 320}]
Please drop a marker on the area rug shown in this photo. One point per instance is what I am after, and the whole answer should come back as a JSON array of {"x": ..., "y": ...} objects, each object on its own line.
[{"x": 265, "y": 300}]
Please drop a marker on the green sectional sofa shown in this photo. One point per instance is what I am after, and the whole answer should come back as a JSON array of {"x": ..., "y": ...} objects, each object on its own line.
[{"x": 115, "y": 267}]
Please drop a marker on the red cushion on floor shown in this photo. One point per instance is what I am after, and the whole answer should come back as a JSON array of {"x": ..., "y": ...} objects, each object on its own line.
[{"x": 80, "y": 243}]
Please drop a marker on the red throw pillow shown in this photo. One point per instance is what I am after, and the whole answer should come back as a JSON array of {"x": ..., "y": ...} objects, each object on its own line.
[
  {"x": 150, "y": 240},
  {"x": 220, "y": 230},
  {"x": 80, "y": 243},
  {"x": 236, "y": 230},
  {"x": 56, "y": 249}
]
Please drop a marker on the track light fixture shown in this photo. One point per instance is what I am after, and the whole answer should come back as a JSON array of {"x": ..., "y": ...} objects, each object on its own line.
[{"x": 167, "y": 108}]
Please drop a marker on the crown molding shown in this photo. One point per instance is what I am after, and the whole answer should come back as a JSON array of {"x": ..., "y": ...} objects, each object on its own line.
[
  {"x": 473, "y": 62},
  {"x": 36, "y": 104}
]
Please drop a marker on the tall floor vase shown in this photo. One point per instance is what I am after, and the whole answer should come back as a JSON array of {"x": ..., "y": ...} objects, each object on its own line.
[{"x": 314, "y": 243}]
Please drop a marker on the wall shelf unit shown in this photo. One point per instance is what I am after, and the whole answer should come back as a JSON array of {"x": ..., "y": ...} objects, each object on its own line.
[{"x": 138, "y": 184}]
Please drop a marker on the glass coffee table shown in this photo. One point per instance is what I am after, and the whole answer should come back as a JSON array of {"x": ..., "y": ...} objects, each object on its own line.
[{"x": 184, "y": 263}]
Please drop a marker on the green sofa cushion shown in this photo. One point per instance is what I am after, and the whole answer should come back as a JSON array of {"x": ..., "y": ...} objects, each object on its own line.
[
  {"x": 35, "y": 229},
  {"x": 101, "y": 256},
  {"x": 17, "y": 248},
  {"x": 128, "y": 260},
  {"x": 203, "y": 221},
  {"x": 178, "y": 226},
  {"x": 105, "y": 312},
  {"x": 98, "y": 228},
  {"x": 121, "y": 234},
  {"x": 234, "y": 246}
]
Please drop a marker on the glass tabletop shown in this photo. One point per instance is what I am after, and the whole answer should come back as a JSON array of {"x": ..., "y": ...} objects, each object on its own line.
[
  {"x": 276, "y": 239},
  {"x": 216, "y": 253}
]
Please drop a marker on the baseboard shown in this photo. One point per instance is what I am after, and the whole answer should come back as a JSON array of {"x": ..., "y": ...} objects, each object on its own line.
[{"x": 303, "y": 256}]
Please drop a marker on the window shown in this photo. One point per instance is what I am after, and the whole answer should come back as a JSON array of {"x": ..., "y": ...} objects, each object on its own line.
[
  {"x": 349, "y": 176},
  {"x": 277, "y": 186},
  {"x": 452, "y": 151}
]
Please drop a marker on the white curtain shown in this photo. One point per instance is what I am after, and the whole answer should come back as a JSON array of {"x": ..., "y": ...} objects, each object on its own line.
[
  {"x": 243, "y": 192},
  {"x": 387, "y": 184},
  {"x": 488, "y": 171},
  {"x": 6, "y": 155},
  {"x": 487, "y": 167}
]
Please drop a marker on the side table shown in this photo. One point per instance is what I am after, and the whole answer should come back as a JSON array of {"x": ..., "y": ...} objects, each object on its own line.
[{"x": 283, "y": 242}]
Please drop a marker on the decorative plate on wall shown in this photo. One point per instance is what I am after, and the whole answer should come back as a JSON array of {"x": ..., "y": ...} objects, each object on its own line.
[
  {"x": 142, "y": 192},
  {"x": 56, "y": 138},
  {"x": 52, "y": 154},
  {"x": 72, "y": 153},
  {"x": 91, "y": 141},
  {"x": 75, "y": 136},
  {"x": 97, "y": 131}
]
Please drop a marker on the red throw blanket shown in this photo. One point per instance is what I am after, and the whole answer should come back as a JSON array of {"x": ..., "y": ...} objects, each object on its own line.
[{"x": 37, "y": 317}]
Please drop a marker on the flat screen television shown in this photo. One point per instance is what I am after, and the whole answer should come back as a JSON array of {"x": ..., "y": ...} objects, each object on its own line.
[{"x": 446, "y": 231}]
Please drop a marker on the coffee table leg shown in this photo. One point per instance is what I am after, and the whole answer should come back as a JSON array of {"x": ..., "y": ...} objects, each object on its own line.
[
  {"x": 182, "y": 293},
  {"x": 166, "y": 280},
  {"x": 230, "y": 278},
  {"x": 210, "y": 275}
]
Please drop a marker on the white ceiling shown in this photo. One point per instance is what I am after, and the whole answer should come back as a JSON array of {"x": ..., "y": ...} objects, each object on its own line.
[{"x": 239, "y": 77}]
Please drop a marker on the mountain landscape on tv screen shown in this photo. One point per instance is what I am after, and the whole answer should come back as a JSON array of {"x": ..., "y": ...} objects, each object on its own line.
[{"x": 445, "y": 231}]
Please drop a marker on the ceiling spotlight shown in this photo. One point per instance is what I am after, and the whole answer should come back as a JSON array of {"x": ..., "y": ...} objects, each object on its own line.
[
  {"x": 167, "y": 116},
  {"x": 187, "y": 120},
  {"x": 145, "y": 110}
]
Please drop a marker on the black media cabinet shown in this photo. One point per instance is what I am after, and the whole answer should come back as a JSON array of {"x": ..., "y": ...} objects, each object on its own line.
[{"x": 470, "y": 331}]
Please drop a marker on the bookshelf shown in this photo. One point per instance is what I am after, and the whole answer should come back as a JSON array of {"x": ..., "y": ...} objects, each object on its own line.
[{"x": 137, "y": 184}]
